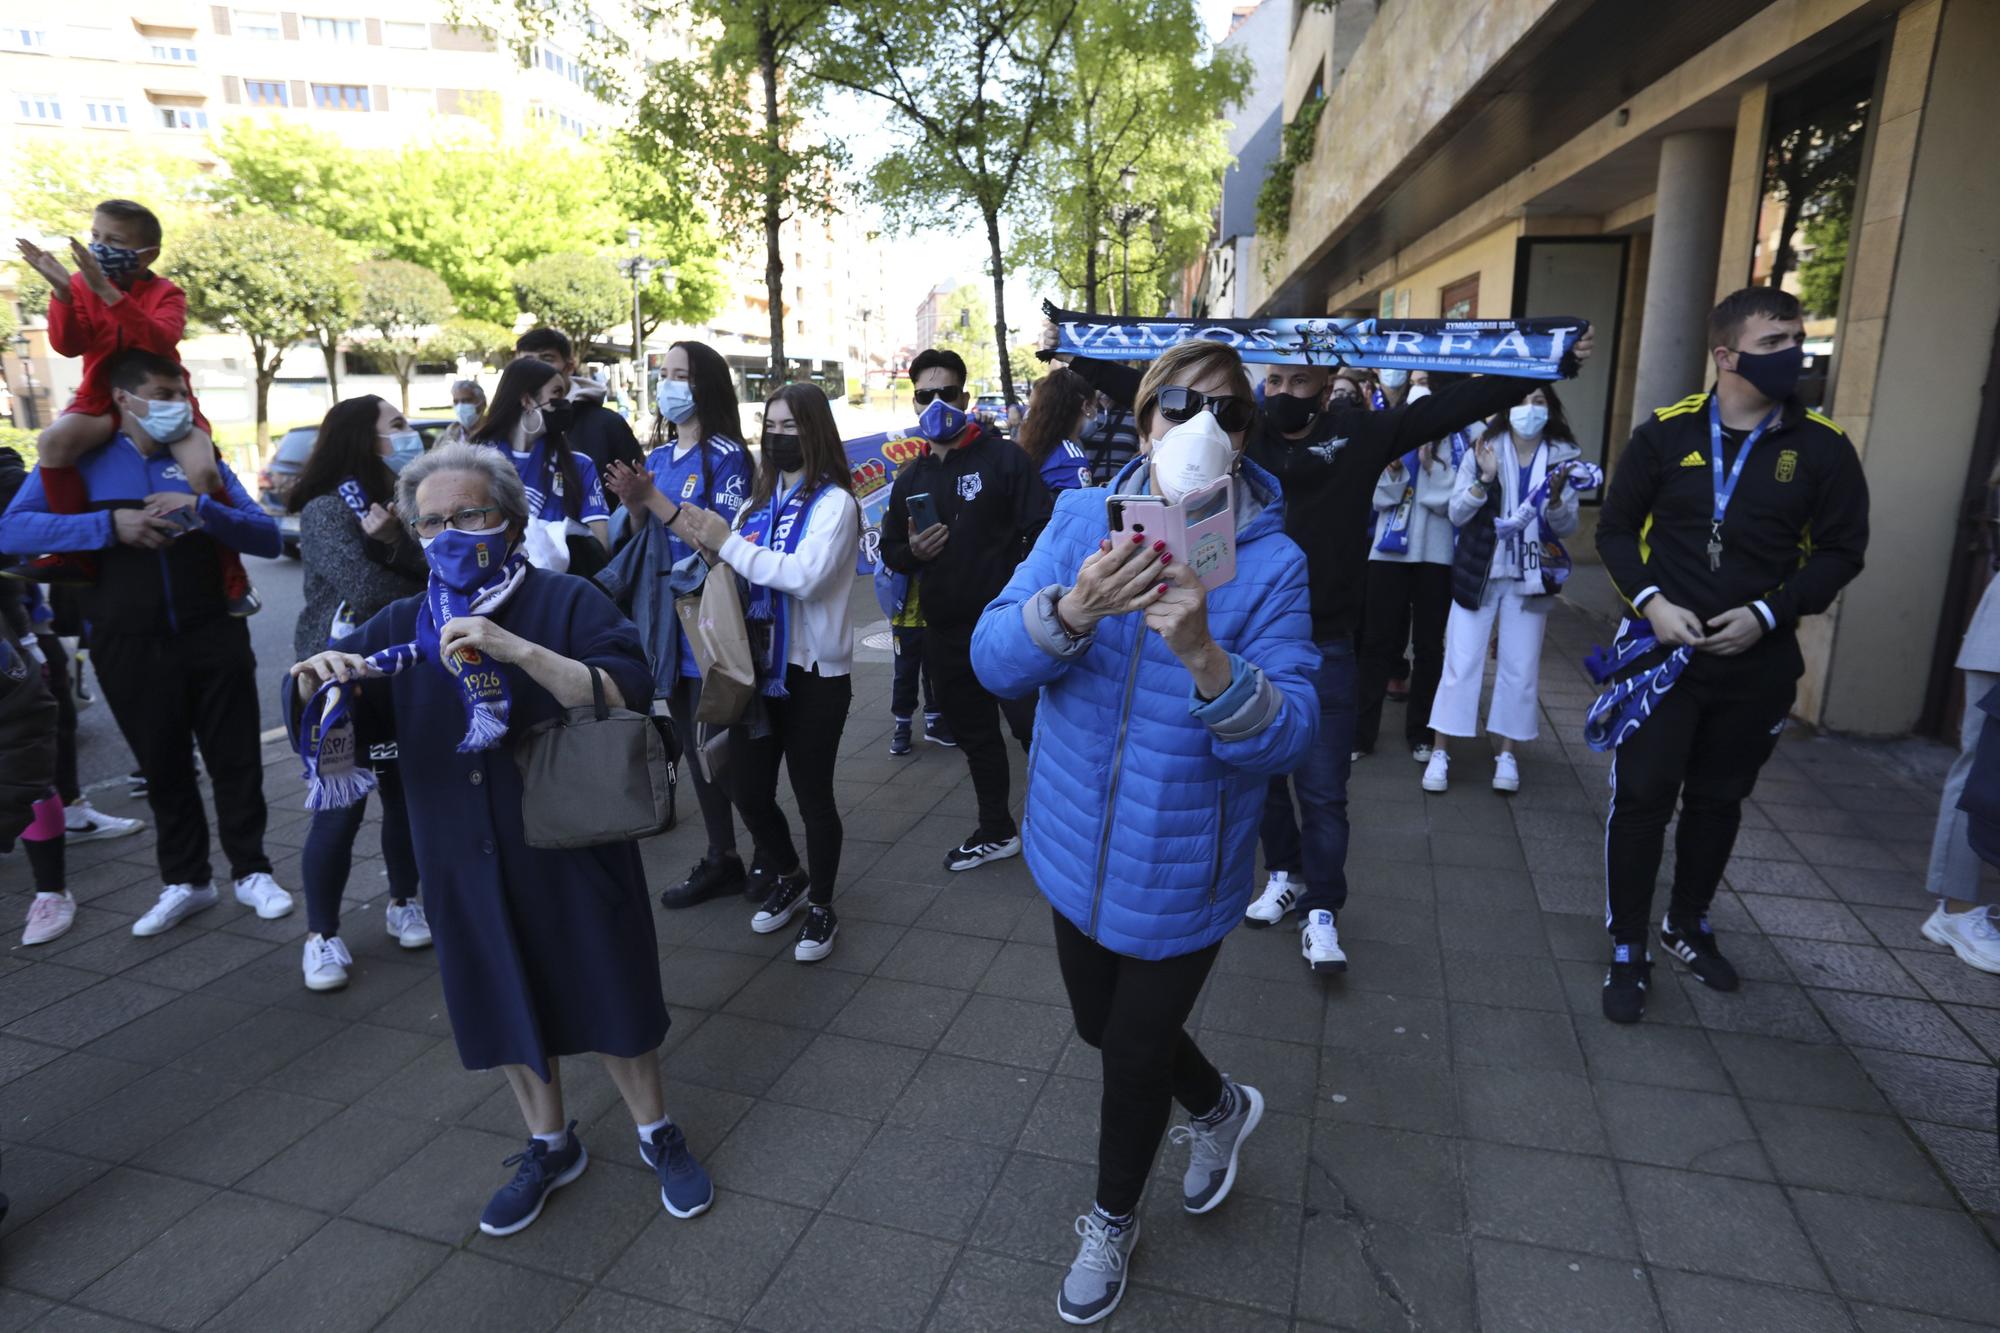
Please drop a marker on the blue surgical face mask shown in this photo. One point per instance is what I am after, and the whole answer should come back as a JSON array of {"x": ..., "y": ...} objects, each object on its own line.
[
  {"x": 116, "y": 261},
  {"x": 467, "y": 413},
  {"x": 1393, "y": 379},
  {"x": 166, "y": 422},
  {"x": 405, "y": 447},
  {"x": 1528, "y": 420},
  {"x": 940, "y": 421},
  {"x": 676, "y": 400},
  {"x": 464, "y": 560}
]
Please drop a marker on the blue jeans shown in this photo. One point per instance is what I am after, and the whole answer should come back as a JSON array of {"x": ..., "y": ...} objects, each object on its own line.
[
  {"x": 1321, "y": 780},
  {"x": 329, "y": 853}
]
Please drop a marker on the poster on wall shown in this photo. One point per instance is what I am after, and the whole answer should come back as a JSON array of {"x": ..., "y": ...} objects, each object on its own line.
[{"x": 872, "y": 461}]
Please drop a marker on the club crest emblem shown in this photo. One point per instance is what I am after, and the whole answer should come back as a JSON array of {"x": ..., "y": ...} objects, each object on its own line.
[
  {"x": 688, "y": 486},
  {"x": 1788, "y": 464},
  {"x": 969, "y": 486}
]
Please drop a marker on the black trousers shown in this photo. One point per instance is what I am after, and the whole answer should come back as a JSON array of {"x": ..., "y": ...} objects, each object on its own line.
[
  {"x": 329, "y": 852},
  {"x": 1703, "y": 746},
  {"x": 1133, "y": 1011},
  {"x": 974, "y": 716},
  {"x": 910, "y": 668},
  {"x": 716, "y": 818},
  {"x": 60, "y": 683},
  {"x": 169, "y": 693},
  {"x": 1405, "y": 605},
  {"x": 805, "y": 737}
]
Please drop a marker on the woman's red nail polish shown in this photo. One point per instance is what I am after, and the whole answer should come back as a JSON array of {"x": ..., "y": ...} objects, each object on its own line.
[
  {"x": 1167, "y": 559},
  {"x": 1163, "y": 587},
  {"x": 1159, "y": 546},
  {"x": 1138, "y": 540}
]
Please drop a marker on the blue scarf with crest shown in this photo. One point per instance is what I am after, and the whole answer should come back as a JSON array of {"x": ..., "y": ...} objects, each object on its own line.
[{"x": 777, "y": 523}]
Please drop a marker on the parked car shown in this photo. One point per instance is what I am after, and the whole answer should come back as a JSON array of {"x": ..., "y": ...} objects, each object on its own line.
[{"x": 275, "y": 478}]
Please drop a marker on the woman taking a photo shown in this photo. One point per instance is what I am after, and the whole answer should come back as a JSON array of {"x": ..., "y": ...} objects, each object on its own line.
[
  {"x": 794, "y": 544},
  {"x": 358, "y": 557},
  {"x": 1165, "y": 710},
  {"x": 542, "y": 953},
  {"x": 698, "y": 462},
  {"x": 569, "y": 529},
  {"x": 1057, "y": 411},
  {"x": 1511, "y": 500}
]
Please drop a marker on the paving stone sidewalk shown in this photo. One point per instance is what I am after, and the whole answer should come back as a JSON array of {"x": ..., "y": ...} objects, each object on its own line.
[{"x": 902, "y": 1133}]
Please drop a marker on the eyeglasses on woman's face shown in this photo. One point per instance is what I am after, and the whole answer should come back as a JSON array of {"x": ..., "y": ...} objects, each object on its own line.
[
  {"x": 1178, "y": 403},
  {"x": 472, "y": 519}
]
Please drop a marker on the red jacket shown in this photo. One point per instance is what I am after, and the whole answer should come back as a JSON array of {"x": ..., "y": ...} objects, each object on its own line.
[{"x": 152, "y": 316}]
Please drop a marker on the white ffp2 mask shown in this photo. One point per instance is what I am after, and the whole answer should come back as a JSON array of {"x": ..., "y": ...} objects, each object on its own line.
[{"x": 1190, "y": 456}]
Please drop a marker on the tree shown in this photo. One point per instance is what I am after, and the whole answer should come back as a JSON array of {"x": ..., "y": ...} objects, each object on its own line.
[
  {"x": 264, "y": 278},
  {"x": 965, "y": 326},
  {"x": 478, "y": 340},
  {"x": 283, "y": 168},
  {"x": 1135, "y": 95},
  {"x": 332, "y": 321},
  {"x": 735, "y": 113},
  {"x": 1821, "y": 271},
  {"x": 402, "y": 304},
  {"x": 675, "y": 232},
  {"x": 1812, "y": 165},
  {"x": 580, "y": 294},
  {"x": 971, "y": 84}
]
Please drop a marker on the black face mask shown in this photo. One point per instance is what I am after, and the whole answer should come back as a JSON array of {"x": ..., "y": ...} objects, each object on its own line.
[
  {"x": 1773, "y": 374},
  {"x": 785, "y": 452},
  {"x": 1342, "y": 401},
  {"x": 1289, "y": 414},
  {"x": 557, "y": 417}
]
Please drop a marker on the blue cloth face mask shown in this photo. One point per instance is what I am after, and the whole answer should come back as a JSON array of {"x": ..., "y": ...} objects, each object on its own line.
[
  {"x": 467, "y": 413},
  {"x": 464, "y": 560},
  {"x": 675, "y": 399},
  {"x": 116, "y": 261},
  {"x": 166, "y": 422},
  {"x": 405, "y": 447},
  {"x": 940, "y": 421}
]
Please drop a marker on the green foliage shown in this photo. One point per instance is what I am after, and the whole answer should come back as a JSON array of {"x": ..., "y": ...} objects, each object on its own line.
[
  {"x": 1274, "y": 198},
  {"x": 55, "y": 186},
  {"x": 580, "y": 294},
  {"x": 9, "y": 325},
  {"x": 1820, "y": 273},
  {"x": 401, "y": 306},
  {"x": 1134, "y": 93},
  {"x": 270, "y": 280},
  {"x": 471, "y": 340},
  {"x": 283, "y": 168},
  {"x": 22, "y": 442},
  {"x": 965, "y": 326}
]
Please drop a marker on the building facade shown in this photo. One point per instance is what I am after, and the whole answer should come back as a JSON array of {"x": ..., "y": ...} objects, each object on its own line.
[
  {"x": 1632, "y": 163},
  {"x": 1217, "y": 287}
]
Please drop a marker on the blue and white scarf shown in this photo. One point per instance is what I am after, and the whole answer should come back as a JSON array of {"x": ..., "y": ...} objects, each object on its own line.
[
  {"x": 333, "y": 776},
  {"x": 778, "y": 523},
  {"x": 1625, "y": 706},
  {"x": 1395, "y": 538},
  {"x": 357, "y": 502}
]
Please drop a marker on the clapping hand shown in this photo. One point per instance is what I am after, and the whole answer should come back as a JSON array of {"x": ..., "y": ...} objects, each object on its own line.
[
  {"x": 381, "y": 523},
  {"x": 632, "y": 485},
  {"x": 702, "y": 527},
  {"x": 93, "y": 273},
  {"x": 45, "y": 264}
]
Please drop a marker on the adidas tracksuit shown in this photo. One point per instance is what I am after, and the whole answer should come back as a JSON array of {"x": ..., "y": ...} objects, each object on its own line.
[{"x": 1793, "y": 536}]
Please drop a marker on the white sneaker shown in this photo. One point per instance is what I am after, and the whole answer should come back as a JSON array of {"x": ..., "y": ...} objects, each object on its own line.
[
  {"x": 1506, "y": 773},
  {"x": 326, "y": 963},
  {"x": 83, "y": 822},
  {"x": 407, "y": 925},
  {"x": 1970, "y": 935},
  {"x": 262, "y": 892},
  {"x": 1421, "y": 753},
  {"x": 177, "y": 902},
  {"x": 1437, "y": 771},
  {"x": 1319, "y": 941},
  {"x": 1280, "y": 895},
  {"x": 49, "y": 917}
]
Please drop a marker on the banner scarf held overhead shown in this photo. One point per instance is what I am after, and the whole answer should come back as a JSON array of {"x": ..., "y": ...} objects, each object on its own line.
[
  {"x": 1536, "y": 349},
  {"x": 326, "y": 727},
  {"x": 1624, "y": 707}
]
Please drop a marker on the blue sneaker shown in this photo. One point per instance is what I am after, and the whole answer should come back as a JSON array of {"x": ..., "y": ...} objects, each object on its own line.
[
  {"x": 542, "y": 1170},
  {"x": 685, "y": 1188}
]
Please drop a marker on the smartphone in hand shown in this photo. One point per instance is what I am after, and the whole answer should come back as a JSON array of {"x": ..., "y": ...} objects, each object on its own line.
[{"x": 923, "y": 513}]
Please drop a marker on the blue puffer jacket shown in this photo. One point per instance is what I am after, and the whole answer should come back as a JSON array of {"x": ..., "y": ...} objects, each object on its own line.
[{"x": 1143, "y": 801}]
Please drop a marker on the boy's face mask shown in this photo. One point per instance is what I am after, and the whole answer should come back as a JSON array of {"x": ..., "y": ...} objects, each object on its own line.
[{"x": 118, "y": 262}]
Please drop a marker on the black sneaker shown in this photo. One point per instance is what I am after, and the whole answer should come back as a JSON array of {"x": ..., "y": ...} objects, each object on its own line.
[
  {"x": 937, "y": 731},
  {"x": 1698, "y": 950},
  {"x": 707, "y": 880},
  {"x": 977, "y": 850},
  {"x": 757, "y": 884},
  {"x": 245, "y": 604},
  {"x": 816, "y": 935},
  {"x": 1625, "y": 983},
  {"x": 788, "y": 895},
  {"x": 899, "y": 741}
]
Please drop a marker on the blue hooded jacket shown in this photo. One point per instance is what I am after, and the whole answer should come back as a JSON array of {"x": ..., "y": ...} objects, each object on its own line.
[{"x": 1144, "y": 801}]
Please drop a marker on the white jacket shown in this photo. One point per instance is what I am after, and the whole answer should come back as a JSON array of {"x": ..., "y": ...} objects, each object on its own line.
[
  {"x": 816, "y": 577},
  {"x": 1430, "y": 529}
]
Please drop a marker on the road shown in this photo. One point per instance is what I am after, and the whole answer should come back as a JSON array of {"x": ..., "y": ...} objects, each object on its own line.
[{"x": 104, "y": 760}]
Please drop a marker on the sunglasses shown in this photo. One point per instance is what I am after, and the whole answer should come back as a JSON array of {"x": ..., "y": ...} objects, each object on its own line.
[
  {"x": 1179, "y": 404},
  {"x": 923, "y": 396}
]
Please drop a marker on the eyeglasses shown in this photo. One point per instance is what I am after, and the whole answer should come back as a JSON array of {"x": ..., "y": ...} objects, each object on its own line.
[
  {"x": 1179, "y": 404},
  {"x": 465, "y": 520},
  {"x": 923, "y": 396}
]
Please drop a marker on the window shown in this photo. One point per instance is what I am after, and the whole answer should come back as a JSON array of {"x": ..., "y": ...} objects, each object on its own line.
[
  {"x": 1460, "y": 300},
  {"x": 416, "y": 36},
  {"x": 105, "y": 113},
  {"x": 171, "y": 53},
  {"x": 181, "y": 117},
  {"x": 267, "y": 92},
  {"x": 412, "y": 99},
  {"x": 332, "y": 30},
  {"x": 340, "y": 96},
  {"x": 259, "y": 24},
  {"x": 25, "y": 39},
  {"x": 38, "y": 108}
]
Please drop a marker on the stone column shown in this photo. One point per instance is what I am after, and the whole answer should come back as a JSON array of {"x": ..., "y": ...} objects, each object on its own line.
[{"x": 1693, "y": 188}]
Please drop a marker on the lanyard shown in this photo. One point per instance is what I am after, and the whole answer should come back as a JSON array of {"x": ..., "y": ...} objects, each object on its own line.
[{"x": 1724, "y": 489}]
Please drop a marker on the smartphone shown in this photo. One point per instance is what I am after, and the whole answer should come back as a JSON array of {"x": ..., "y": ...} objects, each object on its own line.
[
  {"x": 185, "y": 519},
  {"x": 1201, "y": 529},
  {"x": 923, "y": 514}
]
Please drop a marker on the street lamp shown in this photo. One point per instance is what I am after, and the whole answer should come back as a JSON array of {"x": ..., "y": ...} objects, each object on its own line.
[
  {"x": 1125, "y": 217},
  {"x": 639, "y": 269},
  {"x": 21, "y": 346}
]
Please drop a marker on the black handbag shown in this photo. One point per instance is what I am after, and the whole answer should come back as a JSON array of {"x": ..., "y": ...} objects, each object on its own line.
[{"x": 597, "y": 774}]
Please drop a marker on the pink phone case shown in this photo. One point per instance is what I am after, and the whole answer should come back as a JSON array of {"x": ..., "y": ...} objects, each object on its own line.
[{"x": 1200, "y": 530}]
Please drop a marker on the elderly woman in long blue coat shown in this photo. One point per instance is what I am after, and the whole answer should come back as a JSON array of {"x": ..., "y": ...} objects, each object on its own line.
[{"x": 542, "y": 953}]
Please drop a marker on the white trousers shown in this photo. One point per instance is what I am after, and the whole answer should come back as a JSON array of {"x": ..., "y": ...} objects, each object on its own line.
[
  {"x": 1955, "y": 869},
  {"x": 1515, "y": 711}
]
